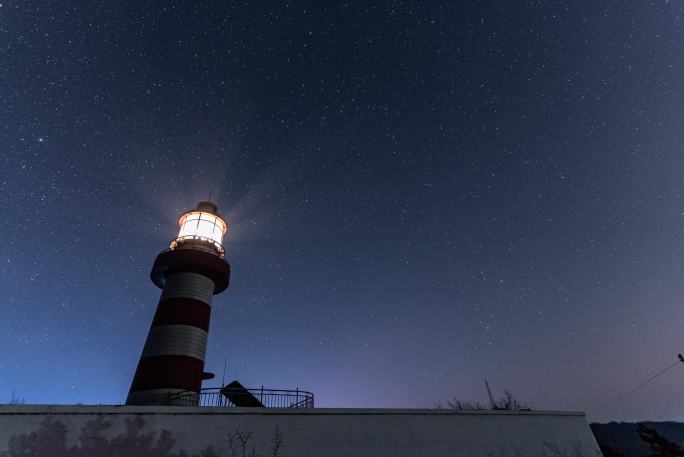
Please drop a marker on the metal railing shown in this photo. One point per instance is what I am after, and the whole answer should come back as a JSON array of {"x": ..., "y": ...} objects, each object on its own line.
[
  {"x": 231, "y": 398},
  {"x": 199, "y": 243}
]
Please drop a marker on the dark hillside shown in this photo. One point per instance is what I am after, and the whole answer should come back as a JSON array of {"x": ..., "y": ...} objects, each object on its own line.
[{"x": 623, "y": 438}]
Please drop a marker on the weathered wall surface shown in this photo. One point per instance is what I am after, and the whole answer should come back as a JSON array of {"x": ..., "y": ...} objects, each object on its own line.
[{"x": 132, "y": 431}]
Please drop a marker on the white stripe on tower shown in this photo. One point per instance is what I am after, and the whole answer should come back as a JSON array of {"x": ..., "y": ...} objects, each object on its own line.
[
  {"x": 176, "y": 340},
  {"x": 188, "y": 285}
]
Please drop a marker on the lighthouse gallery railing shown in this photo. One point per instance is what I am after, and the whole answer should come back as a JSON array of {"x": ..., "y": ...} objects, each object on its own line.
[{"x": 230, "y": 398}]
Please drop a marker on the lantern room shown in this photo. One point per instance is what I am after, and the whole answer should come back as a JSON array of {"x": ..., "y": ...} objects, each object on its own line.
[{"x": 200, "y": 228}]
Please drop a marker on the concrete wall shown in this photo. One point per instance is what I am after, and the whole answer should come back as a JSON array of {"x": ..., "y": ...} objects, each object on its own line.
[{"x": 132, "y": 431}]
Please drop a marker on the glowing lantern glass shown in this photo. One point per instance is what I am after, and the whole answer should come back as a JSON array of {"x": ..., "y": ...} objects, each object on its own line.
[{"x": 201, "y": 228}]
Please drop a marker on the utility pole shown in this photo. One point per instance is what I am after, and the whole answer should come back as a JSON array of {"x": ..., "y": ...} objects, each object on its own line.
[{"x": 491, "y": 398}]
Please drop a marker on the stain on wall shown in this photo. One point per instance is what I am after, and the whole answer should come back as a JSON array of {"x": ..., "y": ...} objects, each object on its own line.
[{"x": 50, "y": 440}]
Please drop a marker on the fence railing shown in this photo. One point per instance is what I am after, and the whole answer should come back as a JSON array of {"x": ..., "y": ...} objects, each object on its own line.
[{"x": 229, "y": 398}]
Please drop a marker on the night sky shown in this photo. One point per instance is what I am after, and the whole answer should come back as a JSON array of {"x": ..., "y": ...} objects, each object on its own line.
[{"x": 420, "y": 195}]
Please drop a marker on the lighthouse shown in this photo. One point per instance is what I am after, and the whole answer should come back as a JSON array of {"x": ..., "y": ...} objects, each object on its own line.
[{"x": 189, "y": 273}]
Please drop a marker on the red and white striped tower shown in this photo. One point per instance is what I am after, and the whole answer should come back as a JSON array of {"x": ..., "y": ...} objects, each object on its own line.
[{"x": 189, "y": 273}]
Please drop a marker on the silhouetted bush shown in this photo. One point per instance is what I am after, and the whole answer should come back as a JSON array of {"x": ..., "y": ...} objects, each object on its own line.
[
  {"x": 507, "y": 402},
  {"x": 658, "y": 444}
]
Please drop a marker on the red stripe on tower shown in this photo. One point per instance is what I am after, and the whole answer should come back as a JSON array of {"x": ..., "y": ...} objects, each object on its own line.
[{"x": 190, "y": 273}]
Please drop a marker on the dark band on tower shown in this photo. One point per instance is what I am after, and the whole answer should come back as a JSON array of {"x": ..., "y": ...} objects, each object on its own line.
[{"x": 189, "y": 273}]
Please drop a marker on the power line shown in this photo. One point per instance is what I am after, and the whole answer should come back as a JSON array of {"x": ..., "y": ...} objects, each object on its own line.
[{"x": 680, "y": 359}]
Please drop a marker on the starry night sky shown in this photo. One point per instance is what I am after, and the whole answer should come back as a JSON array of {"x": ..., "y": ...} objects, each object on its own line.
[{"x": 420, "y": 195}]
